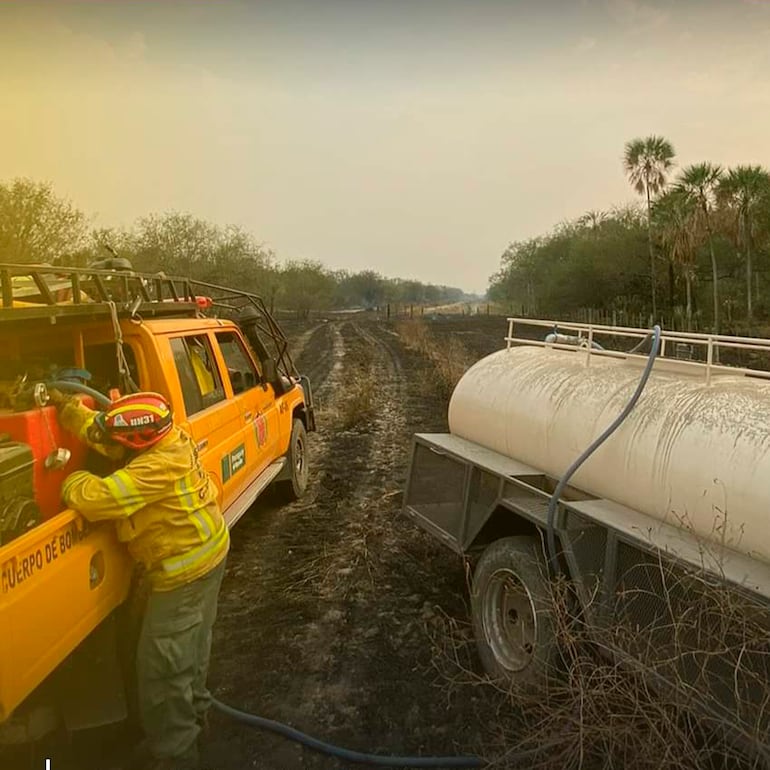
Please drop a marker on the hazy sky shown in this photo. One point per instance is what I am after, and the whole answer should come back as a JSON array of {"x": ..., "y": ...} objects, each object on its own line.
[{"x": 417, "y": 138}]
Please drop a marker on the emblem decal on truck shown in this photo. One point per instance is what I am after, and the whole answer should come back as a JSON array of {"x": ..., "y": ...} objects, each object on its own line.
[
  {"x": 260, "y": 429},
  {"x": 233, "y": 462}
]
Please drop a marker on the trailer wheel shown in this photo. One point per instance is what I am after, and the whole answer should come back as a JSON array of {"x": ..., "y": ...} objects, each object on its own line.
[
  {"x": 511, "y": 612},
  {"x": 295, "y": 485}
]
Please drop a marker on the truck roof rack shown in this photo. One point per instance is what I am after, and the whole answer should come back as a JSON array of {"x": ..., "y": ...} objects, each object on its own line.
[
  {"x": 51, "y": 293},
  {"x": 692, "y": 352}
]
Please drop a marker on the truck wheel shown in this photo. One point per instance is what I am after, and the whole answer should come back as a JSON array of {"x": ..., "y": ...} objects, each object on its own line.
[
  {"x": 512, "y": 613},
  {"x": 295, "y": 485}
]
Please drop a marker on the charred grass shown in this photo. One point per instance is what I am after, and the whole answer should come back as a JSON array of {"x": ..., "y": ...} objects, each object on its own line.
[
  {"x": 359, "y": 406},
  {"x": 447, "y": 355},
  {"x": 688, "y": 691}
]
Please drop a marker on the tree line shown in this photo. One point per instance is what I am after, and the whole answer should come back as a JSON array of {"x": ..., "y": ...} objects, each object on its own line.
[
  {"x": 38, "y": 226},
  {"x": 695, "y": 253}
]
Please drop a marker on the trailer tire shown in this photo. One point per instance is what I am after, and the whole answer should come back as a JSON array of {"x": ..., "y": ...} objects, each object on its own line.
[
  {"x": 294, "y": 487},
  {"x": 511, "y": 610}
]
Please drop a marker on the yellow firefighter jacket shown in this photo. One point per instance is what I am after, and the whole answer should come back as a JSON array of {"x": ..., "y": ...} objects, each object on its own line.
[{"x": 162, "y": 501}]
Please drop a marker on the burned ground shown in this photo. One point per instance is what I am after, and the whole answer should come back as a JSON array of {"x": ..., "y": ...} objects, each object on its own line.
[{"x": 330, "y": 605}]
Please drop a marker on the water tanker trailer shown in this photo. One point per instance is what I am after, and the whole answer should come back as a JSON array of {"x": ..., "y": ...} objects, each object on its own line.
[{"x": 666, "y": 506}]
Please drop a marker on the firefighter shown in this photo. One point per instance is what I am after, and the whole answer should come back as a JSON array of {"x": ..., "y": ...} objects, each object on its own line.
[{"x": 164, "y": 505}]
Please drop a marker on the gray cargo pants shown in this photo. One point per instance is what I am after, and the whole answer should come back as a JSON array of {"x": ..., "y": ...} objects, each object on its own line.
[{"x": 172, "y": 661}]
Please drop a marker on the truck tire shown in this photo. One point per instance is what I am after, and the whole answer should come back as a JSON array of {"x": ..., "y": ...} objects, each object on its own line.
[
  {"x": 511, "y": 610},
  {"x": 294, "y": 487}
]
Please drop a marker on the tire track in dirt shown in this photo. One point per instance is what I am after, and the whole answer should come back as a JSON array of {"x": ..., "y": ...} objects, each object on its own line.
[
  {"x": 358, "y": 471},
  {"x": 269, "y": 520},
  {"x": 326, "y": 602},
  {"x": 413, "y": 580},
  {"x": 298, "y": 342},
  {"x": 267, "y": 604},
  {"x": 413, "y": 588},
  {"x": 316, "y": 352},
  {"x": 309, "y": 555},
  {"x": 324, "y": 613}
]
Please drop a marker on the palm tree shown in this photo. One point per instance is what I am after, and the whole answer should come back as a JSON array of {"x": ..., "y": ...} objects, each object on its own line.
[
  {"x": 592, "y": 220},
  {"x": 646, "y": 162},
  {"x": 699, "y": 183},
  {"x": 675, "y": 217},
  {"x": 742, "y": 190}
]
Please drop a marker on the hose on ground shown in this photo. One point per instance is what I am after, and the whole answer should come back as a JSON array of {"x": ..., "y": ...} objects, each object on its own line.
[
  {"x": 550, "y": 520},
  {"x": 346, "y": 754}
]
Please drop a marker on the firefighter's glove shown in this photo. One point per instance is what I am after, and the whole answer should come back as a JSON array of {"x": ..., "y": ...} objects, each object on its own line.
[
  {"x": 61, "y": 399},
  {"x": 57, "y": 398},
  {"x": 98, "y": 438},
  {"x": 96, "y": 434}
]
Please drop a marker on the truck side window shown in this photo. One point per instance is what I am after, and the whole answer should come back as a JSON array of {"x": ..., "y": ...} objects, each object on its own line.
[
  {"x": 101, "y": 362},
  {"x": 242, "y": 370},
  {"x": 198, "y": 375}
]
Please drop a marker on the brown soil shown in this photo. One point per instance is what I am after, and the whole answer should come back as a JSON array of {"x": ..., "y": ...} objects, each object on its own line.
[
  {"x": 330, "y": 606},
  {"x": 333, "y": 609}
]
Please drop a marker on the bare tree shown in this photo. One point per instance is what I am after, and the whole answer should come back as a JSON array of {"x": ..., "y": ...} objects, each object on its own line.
[{"x": 36, "y": 225}]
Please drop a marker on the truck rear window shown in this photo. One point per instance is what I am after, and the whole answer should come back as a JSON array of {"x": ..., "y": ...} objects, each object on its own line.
[
  {"x": 198, "y": 373},
  {"x": 244, "y": 375}
]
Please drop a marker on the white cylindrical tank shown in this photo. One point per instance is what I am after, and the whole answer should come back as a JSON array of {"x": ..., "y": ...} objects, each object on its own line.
[{"x": 692, "y": 454}]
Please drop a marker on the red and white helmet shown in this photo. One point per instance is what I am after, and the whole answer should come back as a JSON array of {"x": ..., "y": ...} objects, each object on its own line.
[{"x": 137, "y": 421}]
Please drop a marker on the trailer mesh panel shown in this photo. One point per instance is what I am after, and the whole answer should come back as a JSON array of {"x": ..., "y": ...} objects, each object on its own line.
[
  {"x": 436, "y": 490},
  {"x": 709, "y": 641}
]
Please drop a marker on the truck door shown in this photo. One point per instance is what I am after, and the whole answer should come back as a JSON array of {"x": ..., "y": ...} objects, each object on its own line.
[
  {"x": 214, "y": 421},
  {"x": 257, "y": 400}
]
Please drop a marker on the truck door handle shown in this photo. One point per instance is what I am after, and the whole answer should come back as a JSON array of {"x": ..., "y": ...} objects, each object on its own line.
[{"x": 247, "y": 416}]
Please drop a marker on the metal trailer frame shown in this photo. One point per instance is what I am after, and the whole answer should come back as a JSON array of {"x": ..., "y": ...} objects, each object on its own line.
[{"x": 466, "y": 496}]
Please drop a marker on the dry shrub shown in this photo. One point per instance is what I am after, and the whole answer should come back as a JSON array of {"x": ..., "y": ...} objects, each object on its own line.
[
  {"x": 450, "y": 359},
  {"x": 676, "y": 678},
  {"x": 358, "y": 403}
]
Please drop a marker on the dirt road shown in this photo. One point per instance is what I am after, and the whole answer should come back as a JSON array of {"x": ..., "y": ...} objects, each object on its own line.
[{"x": 328, "y": 605}]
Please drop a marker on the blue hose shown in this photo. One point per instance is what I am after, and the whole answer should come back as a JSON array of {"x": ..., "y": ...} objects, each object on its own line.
[
  {"x": 76, "y": 387},
  {"x": 552, "y": 554},
  {"x": 336, "y": 751}
]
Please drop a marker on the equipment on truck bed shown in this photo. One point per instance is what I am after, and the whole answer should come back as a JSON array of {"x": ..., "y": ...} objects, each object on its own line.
[
  {"x": 55, "y": 452},
  {"x": 18, "y": 510}
]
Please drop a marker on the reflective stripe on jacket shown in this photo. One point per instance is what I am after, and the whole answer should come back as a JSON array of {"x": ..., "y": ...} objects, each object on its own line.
[{"x": 163, "y": 503}]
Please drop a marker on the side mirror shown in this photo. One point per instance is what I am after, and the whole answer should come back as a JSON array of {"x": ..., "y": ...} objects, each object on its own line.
[{"x": 269, "y": 371}]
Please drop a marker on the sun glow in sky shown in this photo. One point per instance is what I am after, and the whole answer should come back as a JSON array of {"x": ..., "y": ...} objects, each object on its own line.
[{"x": 414, "y": 137}]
